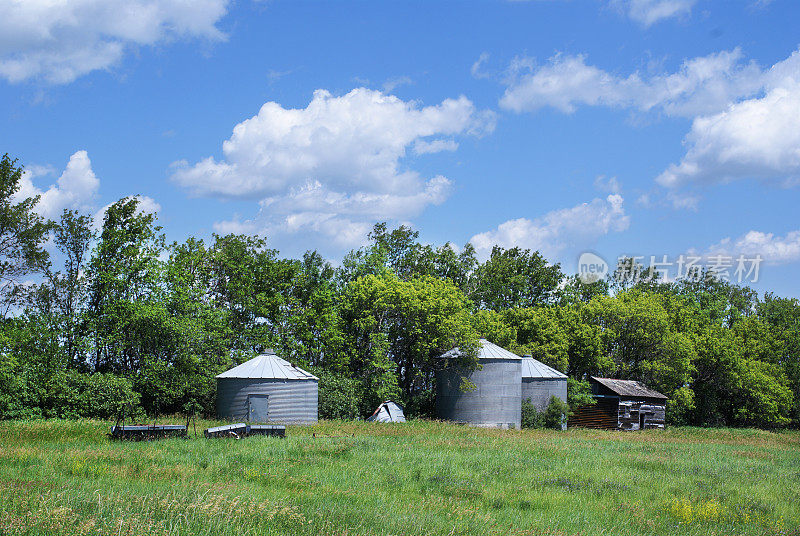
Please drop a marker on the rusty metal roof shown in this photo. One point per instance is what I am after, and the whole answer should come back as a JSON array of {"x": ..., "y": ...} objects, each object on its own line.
[
  {"x": 268, "y": 366},
  {"x": 531, "y": 368},
  {"x": 628, "y": 388},
  {"x": 486, "y": 350}
]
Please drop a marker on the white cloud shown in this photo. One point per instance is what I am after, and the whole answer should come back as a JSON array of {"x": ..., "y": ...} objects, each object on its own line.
[
  {"x": 701, "y": 85},
  {"x": 683, "y": 200},
  {"x": 335, "y": 167},
  {"x": 477, "y": 68},
  {"x": 434, "y": 146},
  {"x": 649, "y": 12},
  {"x": 58, "y": 41},
  {"x": 393, "y": 83},
  {"x": 772, "y": 249},
  {"x": 607, "y": 184},
  {"x": 76, "y": 188},
  {"x": 744, "y": 118},
  {"x": 757, "y": 138},
  {"x": 558, "y": 231}
]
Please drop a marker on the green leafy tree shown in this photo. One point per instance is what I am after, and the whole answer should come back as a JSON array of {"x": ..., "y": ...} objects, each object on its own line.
[
  {"x": 22, "y": 235},
  {"x": 125, "y": 273},
  {"x": 492, "y": 325},
  {"x": 9, "y": 377},
  {"x": 69, "y": 289},
  {"x": 396, "y": 330},
  {"x": 531, "y": 417},
  {"x": 782, "y": 319},
  {"x": 642, "y": 340},
  {"x": 251, "y": 283},
  {"x": 579, "y": 393},
  {"x": 542, "y": 334},
  {"x": 574, "y": 291},
  {"x": 184, "y": 340},
  {"x": 399, "y": 251},
  {"x": 312, "y": 326},
  {"x": 513, "y": 278}
]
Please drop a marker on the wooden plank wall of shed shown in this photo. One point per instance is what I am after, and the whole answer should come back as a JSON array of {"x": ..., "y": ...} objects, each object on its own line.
[
  {"x": 602, "y": 415},
  {"x": 631, "y": 411}
]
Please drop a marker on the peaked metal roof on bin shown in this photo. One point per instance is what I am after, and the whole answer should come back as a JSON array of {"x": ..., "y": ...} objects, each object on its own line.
[
  {"x": 268, "y": 366},
  {"x": 531, "y": 368},
  {"x": 486, "y": 350}
]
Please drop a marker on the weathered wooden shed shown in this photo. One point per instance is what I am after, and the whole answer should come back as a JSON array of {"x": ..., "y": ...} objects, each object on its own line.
[
  {"x": 267, "y": 389},
  {"x": 621, "y": 405},
  {"x": 496, "y": 400},
  {"x": 540, "y": 383}
]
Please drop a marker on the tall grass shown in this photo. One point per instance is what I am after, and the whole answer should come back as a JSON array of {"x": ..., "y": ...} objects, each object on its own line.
[{"x": 66, "y": 477}]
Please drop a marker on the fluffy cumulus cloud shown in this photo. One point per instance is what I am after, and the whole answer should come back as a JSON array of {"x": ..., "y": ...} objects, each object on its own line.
[
  {"x": 559, "y": 231},
  {"x": 701, "y": 85},
  {"x": 76, "y": 187},
  {"x": 58, "y": 41},
  {"x": 335, "y": 167},
  {"x": 757, "y": 138},
  {"x": 773, "y": 249},
  {"x": 744, "y": 118},
  {"x": 649, "y": 12}
]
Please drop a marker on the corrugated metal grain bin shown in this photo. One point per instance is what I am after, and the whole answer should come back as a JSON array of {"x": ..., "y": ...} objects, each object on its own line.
[
  {"x": 496, "y": 400},
  {"x": 540, "y": 383},
  {"x": 267, "y": 389}
]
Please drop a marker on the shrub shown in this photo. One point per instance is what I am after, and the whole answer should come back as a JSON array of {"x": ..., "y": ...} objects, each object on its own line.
[
  {"x": 555, "y": 415},
  {"x": 338, "y": 396},
  {"x": 552, "y": 417},
  {"x": 579, "y": 393},
  {"x": 9, "y": 375},
  {"x": 72, "y": 394},
  {"x": 106, "y": 395},
  {"x": 681, "y": 406},
  {"x": 531, "y": 417}
]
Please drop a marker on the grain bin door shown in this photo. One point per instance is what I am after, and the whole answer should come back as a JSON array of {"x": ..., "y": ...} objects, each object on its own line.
[{"x": 258, "y": 408}]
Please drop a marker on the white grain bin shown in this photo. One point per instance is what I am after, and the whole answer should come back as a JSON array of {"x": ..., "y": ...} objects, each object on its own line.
[
  {"x": 540, "y": 383},
  {"x": 496, "y": 400},
  {"x": 267, "y": 389}
]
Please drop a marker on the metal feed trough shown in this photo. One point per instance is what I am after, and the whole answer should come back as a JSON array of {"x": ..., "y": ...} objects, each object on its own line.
[
  {"x": 147, "y": 432},
  {"x": 276, "y": 430},
  {"x": 241, "y": 429}
]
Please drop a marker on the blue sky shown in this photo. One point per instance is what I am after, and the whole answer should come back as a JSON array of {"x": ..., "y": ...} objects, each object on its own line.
[{"x": 623, "y": 127}]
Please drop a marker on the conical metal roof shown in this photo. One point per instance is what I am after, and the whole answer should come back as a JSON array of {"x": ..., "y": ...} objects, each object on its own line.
[
  {"x": 532, "y": 368},
  {"x": 486, "y": 350},
  {"x": 268, "y": 366}
]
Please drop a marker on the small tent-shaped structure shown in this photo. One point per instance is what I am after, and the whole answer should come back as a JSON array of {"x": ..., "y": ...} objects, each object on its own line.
[
  {"x": 267, "y": 389},
  {"x": 389, "y": 411}
]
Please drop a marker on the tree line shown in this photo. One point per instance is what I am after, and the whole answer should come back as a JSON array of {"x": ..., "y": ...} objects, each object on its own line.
[{"x": 117, "y": 317}]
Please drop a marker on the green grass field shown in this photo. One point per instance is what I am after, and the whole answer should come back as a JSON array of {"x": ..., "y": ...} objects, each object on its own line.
[{"x": 66, "y": 477}]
